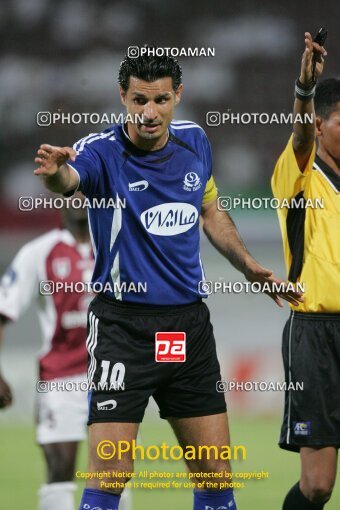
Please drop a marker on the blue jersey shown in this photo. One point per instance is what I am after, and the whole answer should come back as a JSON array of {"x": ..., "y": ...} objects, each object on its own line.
[{"x": 148, "y": 250}]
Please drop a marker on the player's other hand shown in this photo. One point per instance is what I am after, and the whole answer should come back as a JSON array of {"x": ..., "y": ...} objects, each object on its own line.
[
  {"x": 311, "y": 49},
  {"x": 256, "y": 273},
  {"x": 51, "y": 158},
  {"x": 5, "y": 394}
]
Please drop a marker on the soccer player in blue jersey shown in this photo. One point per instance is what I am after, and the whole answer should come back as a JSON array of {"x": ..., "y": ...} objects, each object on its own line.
[{"x": 162, "y": 171}]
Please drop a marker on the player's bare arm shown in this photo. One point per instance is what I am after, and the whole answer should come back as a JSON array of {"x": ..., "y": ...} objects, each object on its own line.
[
  {"x": 57, "y": 175},
  {"x": 304, "y": 132},
  {"x": 5, "y": 390},
  {"x": 222, "y": 233}
]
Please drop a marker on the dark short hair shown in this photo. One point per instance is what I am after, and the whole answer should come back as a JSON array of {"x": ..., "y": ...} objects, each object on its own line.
[
  {"x": 327, "y": 96},
  {"x": 149, "y": 67}
]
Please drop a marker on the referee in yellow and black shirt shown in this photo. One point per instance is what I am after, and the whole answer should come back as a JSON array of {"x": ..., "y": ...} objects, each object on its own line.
[{"x": 311, "y": 241}]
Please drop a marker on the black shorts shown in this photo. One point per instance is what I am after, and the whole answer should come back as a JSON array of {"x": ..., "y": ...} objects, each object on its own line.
[
  {"x": 121, "y": 346},
  {"x": 311, "y": 355}
]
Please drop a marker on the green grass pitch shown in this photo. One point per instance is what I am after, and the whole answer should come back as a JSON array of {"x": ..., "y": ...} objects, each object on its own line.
[{"x": 22, "y": 469}]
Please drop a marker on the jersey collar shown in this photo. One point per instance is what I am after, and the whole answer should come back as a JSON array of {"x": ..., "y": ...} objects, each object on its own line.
[
  {"x": 132, "y": 148},
  {"x": 327, "y": 171}
]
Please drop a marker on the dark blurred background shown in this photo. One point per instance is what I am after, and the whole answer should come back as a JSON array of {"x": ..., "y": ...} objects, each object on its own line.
[{"x": 63, "y": 55}]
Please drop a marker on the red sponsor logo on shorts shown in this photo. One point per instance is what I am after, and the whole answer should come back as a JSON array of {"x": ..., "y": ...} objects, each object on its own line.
[{"x": 170, "y": 347}]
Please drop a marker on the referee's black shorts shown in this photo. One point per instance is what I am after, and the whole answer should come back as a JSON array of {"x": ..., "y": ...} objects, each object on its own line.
[
  {"x": 311, "y": 355},
  {"x": 121, "y": 347}
]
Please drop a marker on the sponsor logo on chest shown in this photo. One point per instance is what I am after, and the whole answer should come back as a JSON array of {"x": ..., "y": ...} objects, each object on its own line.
[{"x": 169, "y": 219}]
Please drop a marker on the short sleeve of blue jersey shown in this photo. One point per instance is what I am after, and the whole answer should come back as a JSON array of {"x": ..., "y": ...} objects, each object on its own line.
[
  {"x": 88, "y": 166},
  {"x": 198, "y": 140}
]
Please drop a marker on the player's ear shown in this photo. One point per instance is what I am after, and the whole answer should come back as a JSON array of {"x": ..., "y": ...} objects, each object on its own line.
[
  {"x": 178, "y": 93},
  {"x": 122, "y": 94},
  {"x": 318, "y": 126}
]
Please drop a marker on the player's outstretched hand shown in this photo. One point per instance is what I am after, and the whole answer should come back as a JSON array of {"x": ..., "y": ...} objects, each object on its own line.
[
  {"x": 311, "y": 48},
  {"x": 5, "y": 394},
  {"x": 256, "y": 273},
  {"x": 51, "y": 158}
]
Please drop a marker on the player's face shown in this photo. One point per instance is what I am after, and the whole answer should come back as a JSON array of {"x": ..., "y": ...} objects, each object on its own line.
[
  {"x": 328, "y": 131},
  {"x": 155, "y": 101}
]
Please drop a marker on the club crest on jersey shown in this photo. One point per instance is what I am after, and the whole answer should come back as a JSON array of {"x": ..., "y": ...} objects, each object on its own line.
[
  {"x": 192, "y": 182},
  {"x": 61, "y": 267},
  {"x": 169, "y": 219}
]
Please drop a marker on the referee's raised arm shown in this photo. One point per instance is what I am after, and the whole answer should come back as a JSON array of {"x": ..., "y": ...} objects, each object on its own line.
[
  {"x": 57, "y": 175},
  {"x": 304, "y": 132}
]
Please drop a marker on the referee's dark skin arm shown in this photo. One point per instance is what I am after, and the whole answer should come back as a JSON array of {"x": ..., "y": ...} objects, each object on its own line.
[
  {"x": 222, "y": 233},
  {"x": 304, "y": 133}
]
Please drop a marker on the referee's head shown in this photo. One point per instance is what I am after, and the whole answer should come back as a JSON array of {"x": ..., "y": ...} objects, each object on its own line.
[
  {"x": 327, "y": 110},
  {"x": 150, "y": 87}
]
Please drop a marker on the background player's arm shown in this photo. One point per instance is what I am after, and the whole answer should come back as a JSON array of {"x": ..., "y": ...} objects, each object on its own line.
[
  {"x": 58, "y": 176},
  {"x": 222, "y": 233},
  {"x": 304, "y": 132},
  {"x": 18, "y": 287},
  {"x": 5, "y": 390}
]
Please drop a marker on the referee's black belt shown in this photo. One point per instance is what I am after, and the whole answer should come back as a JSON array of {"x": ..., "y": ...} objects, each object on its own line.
[{"x": 317, "y": 316}]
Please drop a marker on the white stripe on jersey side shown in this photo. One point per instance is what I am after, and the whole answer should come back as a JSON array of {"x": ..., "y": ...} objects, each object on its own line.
[
  {"x": 116, "y": 224},
  {"x": 115, "y": 229},
  {"x": 91, "y": 343},
  {"x": 94, "y": 247},
  {"x": 115, "y": 275},
  {"x": 203, "y": 274},
  {"x": 316, "y": 167},
  {"x": 290, "y": 375}
]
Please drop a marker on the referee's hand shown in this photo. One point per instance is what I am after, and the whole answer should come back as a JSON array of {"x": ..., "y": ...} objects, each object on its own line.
[
  {"x": 5, "y": 394},
  {"x": 261, "y": 275},
  {"x": 311, "y": 49},
  {"x": 51, "y": 158}
]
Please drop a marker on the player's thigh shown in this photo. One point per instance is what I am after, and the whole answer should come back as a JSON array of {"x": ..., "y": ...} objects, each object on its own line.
[
  {"x": 207, "y": 431},
  {"x": 104, "y": 444},
  {"x": 318, "y": 468},
  {"x": 60, "y": 460}
]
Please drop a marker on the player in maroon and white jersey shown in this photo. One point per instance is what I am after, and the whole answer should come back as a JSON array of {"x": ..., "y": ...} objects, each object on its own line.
[{"x": 59, "y": 256}]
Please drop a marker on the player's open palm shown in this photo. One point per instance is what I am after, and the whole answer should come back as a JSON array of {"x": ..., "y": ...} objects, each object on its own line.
[
  {"x": 5, "y": 394},
  {"x": 50, "y": 158},
  {"x": 279, "y": 289}
]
